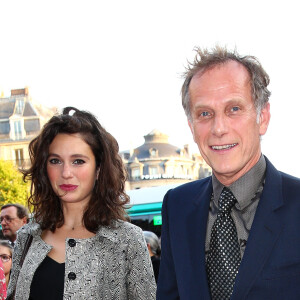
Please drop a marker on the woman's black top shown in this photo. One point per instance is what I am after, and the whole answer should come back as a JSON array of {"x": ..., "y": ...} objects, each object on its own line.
[{"x": 48, "y": 281}]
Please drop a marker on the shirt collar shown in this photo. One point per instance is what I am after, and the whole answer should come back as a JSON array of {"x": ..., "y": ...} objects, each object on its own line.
[{"x": 245, "y": 188}]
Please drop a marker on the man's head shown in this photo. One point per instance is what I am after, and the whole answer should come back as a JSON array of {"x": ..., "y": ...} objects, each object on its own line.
[
  {"x": 205, "y": 60},
  {"x": 13, "y": 217},
  {"x": 225, "y": 97}
]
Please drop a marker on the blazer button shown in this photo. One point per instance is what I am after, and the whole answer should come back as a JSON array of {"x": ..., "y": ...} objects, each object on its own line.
[
  {"x": 72, "y": 243},
  {"x": 72, "y": 276}
]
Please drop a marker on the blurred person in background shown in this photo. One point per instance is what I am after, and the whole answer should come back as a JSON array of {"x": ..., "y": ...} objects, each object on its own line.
[
  {"x": 2, "y": 282},
  {"x": 153, "y": 246},
  {"x": 6, "y": 252},
  {"x": 13, "y": 216}
]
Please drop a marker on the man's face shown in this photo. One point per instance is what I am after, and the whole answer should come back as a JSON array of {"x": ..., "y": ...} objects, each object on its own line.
[
  {"x": 11, "y": 222},
  {"x": 224, "y": 120}
]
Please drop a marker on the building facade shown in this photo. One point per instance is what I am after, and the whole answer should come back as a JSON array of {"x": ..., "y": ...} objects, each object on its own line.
[
  {"x": 157, "y": 162},
  {"x": 20, "y": 121}
]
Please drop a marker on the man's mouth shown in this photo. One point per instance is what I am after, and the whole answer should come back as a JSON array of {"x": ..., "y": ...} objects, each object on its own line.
[{"x": 224, "y": 147}]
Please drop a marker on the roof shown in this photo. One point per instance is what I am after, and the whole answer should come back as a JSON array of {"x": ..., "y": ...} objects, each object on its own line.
[
  {"x": 156, "y": 146},
  {"x": 7, "y": 107},
  {"x": 149, "y": 195}
]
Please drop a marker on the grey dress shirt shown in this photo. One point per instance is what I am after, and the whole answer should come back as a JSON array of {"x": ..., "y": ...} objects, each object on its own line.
[{"x": 247, "y": 191}]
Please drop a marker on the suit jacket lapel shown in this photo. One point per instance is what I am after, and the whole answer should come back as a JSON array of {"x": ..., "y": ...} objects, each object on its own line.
[
  {"x": 265, "y": 230},
  {"x": 198, "y": 227}
]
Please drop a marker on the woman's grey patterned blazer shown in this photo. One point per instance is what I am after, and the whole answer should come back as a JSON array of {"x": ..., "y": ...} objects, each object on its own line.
[{"x": 113, "y": 265}]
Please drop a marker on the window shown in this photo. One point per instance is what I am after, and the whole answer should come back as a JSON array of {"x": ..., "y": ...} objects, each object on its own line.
[
  {"x": 153, "y": 171},
  {"x": 19, "y": 157},
  {"x": 153, "y": 152},
  {"x": 136, "y": 173},
  {"x": 18, "y": 129},
  {"x": 4, "y": 127},
  {"x": 19, "y": 107}
]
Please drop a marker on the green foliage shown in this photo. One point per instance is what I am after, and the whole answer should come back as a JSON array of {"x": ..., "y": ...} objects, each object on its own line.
[{"x": 12, "y": 187}]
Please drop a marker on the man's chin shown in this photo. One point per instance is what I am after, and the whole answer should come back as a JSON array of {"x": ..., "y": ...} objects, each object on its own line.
[{"x": 6, "y": 233}]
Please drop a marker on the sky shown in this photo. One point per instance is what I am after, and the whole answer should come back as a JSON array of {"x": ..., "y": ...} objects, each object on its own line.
[{"x": 123, "y": 61}]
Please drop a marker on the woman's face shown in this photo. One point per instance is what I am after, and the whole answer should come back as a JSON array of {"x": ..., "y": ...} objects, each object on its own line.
[
  {"x": 6, "y": 264},
  {"x": 71, "y": 168}
]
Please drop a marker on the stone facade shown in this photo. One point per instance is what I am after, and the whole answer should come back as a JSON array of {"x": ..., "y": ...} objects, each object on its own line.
[
  {"x": 157, "y": 162},
  {"x": 20, "y": 121}
]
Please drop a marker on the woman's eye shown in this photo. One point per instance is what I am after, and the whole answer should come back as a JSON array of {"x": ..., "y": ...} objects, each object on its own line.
[
  {"x": 78, "y": 162},
  {"x": 54, "y": 161}
]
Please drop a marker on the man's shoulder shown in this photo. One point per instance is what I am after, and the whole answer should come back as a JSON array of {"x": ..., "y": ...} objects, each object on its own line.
[
  {"x": 190, "y": 190},
  {"x": 290, "y": 183},
  {"x": 287, "y": 180}
]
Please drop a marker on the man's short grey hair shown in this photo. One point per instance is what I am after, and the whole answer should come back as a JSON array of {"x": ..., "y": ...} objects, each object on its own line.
[
  {"x": 152, "y": 239},
  {"x": 207, "y": 59}
]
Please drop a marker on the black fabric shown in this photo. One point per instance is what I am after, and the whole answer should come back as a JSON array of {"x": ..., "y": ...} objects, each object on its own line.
[
  {"x": 224, "y": 257},
  {"x": 155, "y": 263},
  {"x": 48, "y": 281}
]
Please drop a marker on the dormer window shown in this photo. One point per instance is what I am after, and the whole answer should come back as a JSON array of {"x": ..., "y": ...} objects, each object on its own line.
[{"x": 153, "y": 152}]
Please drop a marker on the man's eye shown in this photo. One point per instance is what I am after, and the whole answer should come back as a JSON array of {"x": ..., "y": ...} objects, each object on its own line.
[
  {"x": 78, "y": 162},
  {"x": 54, "y": 161},
  {"x": 235, "y": 108},
  {"x": 204, "y": 114}
]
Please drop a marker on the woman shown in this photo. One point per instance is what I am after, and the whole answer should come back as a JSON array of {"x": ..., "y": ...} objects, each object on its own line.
[
  {"x": 153, "y": 246},
  {"x": 6, "y": 252},
  {"x": 2, "y": 282},
  {"x": 82, "y": 246}
]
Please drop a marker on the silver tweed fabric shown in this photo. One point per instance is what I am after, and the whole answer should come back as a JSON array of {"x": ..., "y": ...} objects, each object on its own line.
[
  {"x": 224, "y": 256},
  {"x": 113, "y": 265}
]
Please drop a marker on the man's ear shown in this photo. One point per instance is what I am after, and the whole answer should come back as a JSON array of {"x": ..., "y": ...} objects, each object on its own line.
[
  {"x": 24, "y": 220},
  {"x": 191, "y": 128},
  {"x": 264, "y": 119}
]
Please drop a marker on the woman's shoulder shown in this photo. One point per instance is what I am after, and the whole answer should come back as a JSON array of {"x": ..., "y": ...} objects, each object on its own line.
[
  {"x": 31, "y": 228},
  {"x": 121, "y": 230}
]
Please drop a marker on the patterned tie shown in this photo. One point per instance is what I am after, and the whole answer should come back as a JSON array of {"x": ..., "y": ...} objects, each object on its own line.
[{"x": 224, "y": 256}]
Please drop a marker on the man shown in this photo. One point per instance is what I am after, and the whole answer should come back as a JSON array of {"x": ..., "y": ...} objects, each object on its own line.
[
  {"x": 12, "y": 217},
  {"x": 236, "y": 234}
]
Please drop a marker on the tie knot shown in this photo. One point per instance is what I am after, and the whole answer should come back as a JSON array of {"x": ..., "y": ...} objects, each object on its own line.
[{"x": 227, "y": 200}]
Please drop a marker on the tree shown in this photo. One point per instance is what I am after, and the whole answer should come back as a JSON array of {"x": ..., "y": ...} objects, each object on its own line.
[{"x": 12, "y": 187}]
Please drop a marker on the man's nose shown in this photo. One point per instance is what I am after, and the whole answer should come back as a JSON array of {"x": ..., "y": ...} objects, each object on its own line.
[
  {"x": 3, "y": 220},
  {"x": 220, "y": 125}
]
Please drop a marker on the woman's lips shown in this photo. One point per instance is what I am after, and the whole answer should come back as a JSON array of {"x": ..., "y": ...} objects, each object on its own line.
[{"x": 68, "y": 187}]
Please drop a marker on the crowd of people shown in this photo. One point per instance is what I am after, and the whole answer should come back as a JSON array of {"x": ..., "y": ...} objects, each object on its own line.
[{"x": 238, "y": 237}]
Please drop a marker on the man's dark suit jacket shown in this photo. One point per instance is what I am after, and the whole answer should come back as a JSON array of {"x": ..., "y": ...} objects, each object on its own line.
[{"x": 270, "y": 268}]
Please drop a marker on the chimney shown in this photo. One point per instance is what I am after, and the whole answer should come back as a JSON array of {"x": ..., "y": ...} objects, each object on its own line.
[
  {"x": 186, "y": 148},
  {"x": 20, "y": 92}
]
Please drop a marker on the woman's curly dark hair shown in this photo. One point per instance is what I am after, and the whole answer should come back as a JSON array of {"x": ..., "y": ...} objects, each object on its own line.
[{"x": 108, "y": 197}]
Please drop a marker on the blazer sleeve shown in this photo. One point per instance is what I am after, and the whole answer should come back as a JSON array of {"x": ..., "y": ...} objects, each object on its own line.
[
  {"x": 167, "y": 288},
  {"x": 140, "y": 278}
]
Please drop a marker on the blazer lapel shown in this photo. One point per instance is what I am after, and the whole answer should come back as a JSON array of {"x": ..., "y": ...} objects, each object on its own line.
[
  {"x": 197, "y": 233},
  {"x": 265, "y": 230}
]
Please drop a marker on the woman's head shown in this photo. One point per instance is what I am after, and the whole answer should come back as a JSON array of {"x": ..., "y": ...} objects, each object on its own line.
[
  {"x": 107, "y": 196},
  {"x": 71, "y": 169},
  {"x": 6, "y": 251}
]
